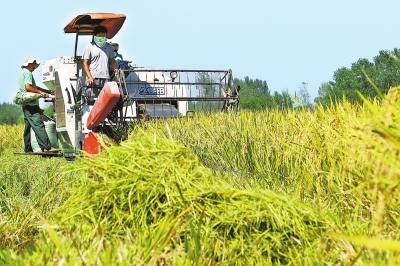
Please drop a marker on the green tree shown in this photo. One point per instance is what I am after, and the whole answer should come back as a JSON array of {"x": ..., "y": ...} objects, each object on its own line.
[
  {"x": 9, "y": 113},
  {"x": 253, "y": 88},
  {"x": 255, "y": 95},
  {"x": 327, "y": 94},
  {"x": 282, "y": 101},
  {"x": 383, "y": 71}
]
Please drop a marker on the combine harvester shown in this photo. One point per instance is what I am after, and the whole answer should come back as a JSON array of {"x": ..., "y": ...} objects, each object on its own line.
[{"x": 84, "y": 115}]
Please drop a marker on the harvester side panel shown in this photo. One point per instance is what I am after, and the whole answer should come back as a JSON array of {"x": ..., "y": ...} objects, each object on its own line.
[
  {"x": 66, "y": 115},
  {"x": 105, "y": 102}
]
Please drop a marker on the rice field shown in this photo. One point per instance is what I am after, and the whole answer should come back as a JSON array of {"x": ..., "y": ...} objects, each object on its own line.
[{"x": 297, "y": 187}]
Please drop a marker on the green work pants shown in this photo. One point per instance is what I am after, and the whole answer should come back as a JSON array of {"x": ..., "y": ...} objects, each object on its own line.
[{"x": 33, "y": 120}]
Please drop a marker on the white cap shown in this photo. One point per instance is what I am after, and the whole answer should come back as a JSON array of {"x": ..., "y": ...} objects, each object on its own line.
[{"x": 29, "y": 60}]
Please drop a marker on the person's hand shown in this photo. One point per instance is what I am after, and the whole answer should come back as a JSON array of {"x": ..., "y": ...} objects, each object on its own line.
[
  {"x": 44, "y": 95},
  {"x": 52, "y": 91},
  {"x": 117, "y": 75},
  {"x": 90, "y": 81}
]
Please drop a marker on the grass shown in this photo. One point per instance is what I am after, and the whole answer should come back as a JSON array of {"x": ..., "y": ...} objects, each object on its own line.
[{"x": 250, "y": 188}]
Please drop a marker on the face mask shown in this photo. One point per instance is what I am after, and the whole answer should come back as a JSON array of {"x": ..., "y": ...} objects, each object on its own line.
[{"x": 100, "y": 41}]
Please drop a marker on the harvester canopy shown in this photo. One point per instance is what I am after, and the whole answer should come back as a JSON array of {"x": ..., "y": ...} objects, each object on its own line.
[{"x": 84, "y": 24}]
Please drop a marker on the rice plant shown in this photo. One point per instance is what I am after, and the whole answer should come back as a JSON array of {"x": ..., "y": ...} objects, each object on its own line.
[{"x": 301, "y": 187}]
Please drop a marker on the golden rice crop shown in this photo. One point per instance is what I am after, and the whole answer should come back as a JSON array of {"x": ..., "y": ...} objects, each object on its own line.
[
  {"x": 11, "y": 138},
  {"x": 304, "y": 187},
  {"x": 135, "y": 186},
  {"x": 29, "y": 189},
  {"x": 343, "y": 159}
]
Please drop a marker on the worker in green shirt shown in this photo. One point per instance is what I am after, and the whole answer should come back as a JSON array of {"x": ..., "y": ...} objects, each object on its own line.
[{"x": 32, "y": 112}]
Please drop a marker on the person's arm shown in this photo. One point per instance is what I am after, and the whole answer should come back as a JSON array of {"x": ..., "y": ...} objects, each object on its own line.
[
  {"x": 45, "y": 90},
  {"x": 87, "y": 71},
  {"x": 30, "y": 88},
  {"x": 114, "y": 67},
  {"x": 113, "y": 63}
]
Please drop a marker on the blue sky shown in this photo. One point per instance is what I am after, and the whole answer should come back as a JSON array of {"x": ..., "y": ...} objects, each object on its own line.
[{"x": 283, "y": 42}]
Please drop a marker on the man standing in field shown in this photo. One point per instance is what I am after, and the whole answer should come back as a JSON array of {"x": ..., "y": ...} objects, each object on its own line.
[{"x": 31, "y": 110}]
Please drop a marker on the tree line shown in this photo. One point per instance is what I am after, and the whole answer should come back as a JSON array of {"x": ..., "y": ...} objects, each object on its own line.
[
  {"x": 363, "y": 77},
  {"x": 256, "y": 95},
  {"x": 368, "y": 78}
]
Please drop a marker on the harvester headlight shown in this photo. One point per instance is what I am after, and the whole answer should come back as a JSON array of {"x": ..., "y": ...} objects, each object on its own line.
[{"x": 173, "y": 75}]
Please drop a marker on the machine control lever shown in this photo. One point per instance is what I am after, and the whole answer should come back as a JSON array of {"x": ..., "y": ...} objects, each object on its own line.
[{"x": 69, "y": 96}]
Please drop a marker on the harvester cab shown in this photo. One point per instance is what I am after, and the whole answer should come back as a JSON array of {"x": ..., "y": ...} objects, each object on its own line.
[{"x": 84, "y": 114}]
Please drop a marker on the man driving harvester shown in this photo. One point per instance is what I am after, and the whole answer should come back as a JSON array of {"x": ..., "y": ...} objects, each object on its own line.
[{"x": 97, "y": 56}]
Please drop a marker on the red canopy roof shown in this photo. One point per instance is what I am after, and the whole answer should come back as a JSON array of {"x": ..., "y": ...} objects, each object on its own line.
[{"x": 85, "y": 23}]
